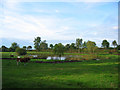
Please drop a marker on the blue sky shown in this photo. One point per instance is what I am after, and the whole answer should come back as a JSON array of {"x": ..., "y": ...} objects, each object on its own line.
[{"x": 58, "y": 22}]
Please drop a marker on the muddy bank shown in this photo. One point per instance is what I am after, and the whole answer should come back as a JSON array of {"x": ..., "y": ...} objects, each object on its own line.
[
  {"x": 54, "y": 61},
  {"x": 8, "y": 58}
]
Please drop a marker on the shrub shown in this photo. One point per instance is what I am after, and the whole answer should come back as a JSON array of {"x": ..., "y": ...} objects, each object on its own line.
[{"x": 21, "y": 51}]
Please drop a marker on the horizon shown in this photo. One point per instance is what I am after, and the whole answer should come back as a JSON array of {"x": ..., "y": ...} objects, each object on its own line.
[
  {"x": 22, "y": 42},
  {"x": 58, "y": 22}
]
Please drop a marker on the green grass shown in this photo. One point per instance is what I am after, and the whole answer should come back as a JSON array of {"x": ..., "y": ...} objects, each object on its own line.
[
  {"x": 7, "y": 54},
  {"x": 87, "y": 74},
  {"x": 43, "y": 60}
]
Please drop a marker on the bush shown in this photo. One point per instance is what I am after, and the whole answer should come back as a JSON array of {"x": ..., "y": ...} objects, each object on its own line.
[{"x": 21, "y": 51}]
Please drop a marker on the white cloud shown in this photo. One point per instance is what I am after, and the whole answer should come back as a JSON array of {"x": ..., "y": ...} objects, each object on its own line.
[
  {"x": 27, "y": 27},
  {"x": 11, "y": 5},
  {"x": 57, "y": 11},
  {"x": 63, "y": 0},
  {"x": 115, "y": 27}
]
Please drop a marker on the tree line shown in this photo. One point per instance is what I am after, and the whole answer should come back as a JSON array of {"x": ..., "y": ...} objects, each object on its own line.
[{"x": 79, "y": 46}]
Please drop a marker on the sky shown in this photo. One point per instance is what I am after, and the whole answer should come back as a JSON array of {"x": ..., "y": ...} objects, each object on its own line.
[{"x": 58, "y": 22}]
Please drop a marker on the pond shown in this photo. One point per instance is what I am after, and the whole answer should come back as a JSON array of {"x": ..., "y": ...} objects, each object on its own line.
[
  {"x": 49, "y": 57},
  {"x": 34, "y": 55},
  {"x": 56, "y": 58}
]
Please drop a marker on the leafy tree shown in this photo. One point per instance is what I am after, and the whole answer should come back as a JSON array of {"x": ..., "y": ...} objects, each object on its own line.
[
  {"x": 37, "y": 43},
  {"x": 105, "y": 44},
  {"x": 21, "y": 51},
  {"x": 24, "y": 47},
  {"x": 58, "y": 49},
  {"x": 84, "y": 44},
  {"x": 91, "y": 46},
  {"x": 14, "y": 46},
  {"x": 43, "y": 45},
  {"x": 1, "y": 49},
  {"x": 10, "y": 49},
  {"x": 51, "y": 46},
  {"x": 72, "y": 46},
  {"x": 78, "y": 44},
  {"x": 114, "y": 43},
  {"x": 118, "y": 47},
  {"x": 67, "y": 46},
  {"x": 4, "y": 49},
  {"x": 29, "y": 47}
]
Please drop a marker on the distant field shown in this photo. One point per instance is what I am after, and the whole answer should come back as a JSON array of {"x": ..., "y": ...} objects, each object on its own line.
[
  {"x": 87, "y": 74},
  {"x": 7, "y": 54}
]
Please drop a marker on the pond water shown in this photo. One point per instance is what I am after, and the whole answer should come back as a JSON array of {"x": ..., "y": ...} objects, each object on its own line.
[
  {"x": 56, "y": 58},
  {"x": 33, "y": 55},
  {"x": 53, "y": 58}
]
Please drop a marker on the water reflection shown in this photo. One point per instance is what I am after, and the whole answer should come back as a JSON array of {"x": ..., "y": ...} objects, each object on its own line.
[
  {"x": 50, "y": 58},
  {"x": 56, "y": 58},
  {"x": 34, "y": 55}
]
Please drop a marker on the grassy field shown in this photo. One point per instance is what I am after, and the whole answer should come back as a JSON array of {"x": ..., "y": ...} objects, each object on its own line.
[
  {"x": 42, "y": 54},
  {"x": 87, "y": 74}
]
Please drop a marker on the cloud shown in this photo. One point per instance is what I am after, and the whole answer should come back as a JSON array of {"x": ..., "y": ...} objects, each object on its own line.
[
  {"x": 21, "y": 25},
  {"x": 63, "y": 0},
  {"x": 57, "y": 11},
  {"x": 27, "y": 27},
  {"x": 115, "y": 27}
]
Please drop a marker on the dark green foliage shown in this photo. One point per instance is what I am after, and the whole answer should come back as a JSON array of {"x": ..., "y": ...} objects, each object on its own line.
[
  {"x": 59, "y": 49},
  {"x": 21, "y": 51},
  {"x": 91, "y": 46},
  {"x": 79, "y": 44},
  {"x": 67, "y": 47},
  {"x": 105, "y": 44},
  {"x": 4, "y": 49},
  {"x": 13, "y": 47},
  {"x": 51, "y": 46},
  {"x": 118, "y": 47},
  {"x": 114, "y": 43},
  {"x": 43, "y": 45},
  {"x": 40, "y": 45},
  {"x": 37, "y": 43},
  {"x": 24, "y": 47},
  {"x": 72, "y": 46},
  {"x": 85, "y": 44},
  {"x": 29, "y": 47}
]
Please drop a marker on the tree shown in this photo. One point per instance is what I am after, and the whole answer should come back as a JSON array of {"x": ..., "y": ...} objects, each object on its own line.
[
  {"x": 10, "y": 49},
  {"x": 84, "y": 44},
  {"x": 37, "y": 43},
  {"x": 43, "y": 45},
  {"x": 67, "y": 46},
  {"x": 29, "y": 47},
  {"x": 58, "y": 49},
  {"x": 114, "y": 43},
  {"x": 51, "y": 46},
  {"x": 4, "y": 49},
  {"x": 24, "y": 47},
  {"x": 1, "y": 49},
  {"x": 21, "y": 51},
  {"x": 14, "y": 46},
  {"x": 79, "y": 44},
  {"x": 118, "y": 47},
  {"x": 105, "y": 44},
  {"x": 72, "y": 47},
  {"x": 91, "y": 46}
]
